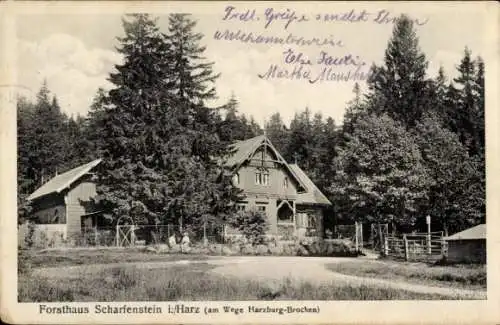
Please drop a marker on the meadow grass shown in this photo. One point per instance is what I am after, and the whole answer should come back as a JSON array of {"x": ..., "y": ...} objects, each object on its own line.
[
  {"x": 102, "y": 256},
  {"x": 192, "y": 283},
  {"x": 461, "y": 276}
]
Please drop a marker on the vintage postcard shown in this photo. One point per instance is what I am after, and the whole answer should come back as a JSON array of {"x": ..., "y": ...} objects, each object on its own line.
[{"x": 249, "y": 162}]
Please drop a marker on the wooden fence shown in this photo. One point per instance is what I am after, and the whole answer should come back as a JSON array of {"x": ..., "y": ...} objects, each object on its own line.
[{"x": 416, "y": 246}]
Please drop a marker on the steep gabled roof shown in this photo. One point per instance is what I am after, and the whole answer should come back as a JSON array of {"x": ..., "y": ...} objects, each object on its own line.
[
  {"x": 245, "y": 149},
  {"x": 63, "y": 181},
  {"x": 313, "y": 194},
  {"x": 477, "y": 232}
]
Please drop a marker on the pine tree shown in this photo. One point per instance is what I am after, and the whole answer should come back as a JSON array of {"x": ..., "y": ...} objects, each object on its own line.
[
  {"x": 464, "y": 111},
  {"x": 232, "y": 128},
  {"x": 355, "y": 108},
  {"x": 299, "y": 145},
  {"x": 199, "y": 185},
  {"x": 277, "y": 132},
  {"x": 47, "y": 150},
  {"x": 399, "y": 87},
  {"x": 479, "y": 134},
  {"x": 138, "y": 120},
  {"x": 439, "y": 92},
  {"x": 93, "y": 128},
  {"x": 26, "y": 174}
]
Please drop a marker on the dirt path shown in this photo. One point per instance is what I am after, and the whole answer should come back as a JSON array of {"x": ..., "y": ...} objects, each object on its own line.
[
  {"x": 271, "y": 269},
  {"x": 314, "y": 270}
]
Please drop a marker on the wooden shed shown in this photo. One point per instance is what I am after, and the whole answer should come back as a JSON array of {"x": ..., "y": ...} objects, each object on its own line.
[
  {"x": 61, "y": 206},
  {"x": 468, "y": 246}
]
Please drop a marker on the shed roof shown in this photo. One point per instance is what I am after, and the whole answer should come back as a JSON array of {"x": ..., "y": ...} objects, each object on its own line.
[
  {"x": 477, "y": 232},
  {"x": 313, "y": 194},
  {"x": 64, "y": 180}
]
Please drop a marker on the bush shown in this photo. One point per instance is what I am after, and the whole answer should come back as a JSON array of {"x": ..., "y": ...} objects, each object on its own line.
[
  {"x": 23, "y": 261},
  {"x": 252, "y": 225}
]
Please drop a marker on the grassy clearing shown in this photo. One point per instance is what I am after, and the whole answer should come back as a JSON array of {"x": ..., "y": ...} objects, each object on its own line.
[
  {"x": 101, "y": 256},
  {"x": 461, "y": 276},
  {"x": 190, "y": 283}
]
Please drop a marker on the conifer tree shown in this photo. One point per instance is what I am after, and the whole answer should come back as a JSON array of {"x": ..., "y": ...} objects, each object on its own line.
[
  {"x": 47, "y": 149},
  {"x": 277, "y": 132},
  {"x": 199, "y": 184},
  {"x": 138, "y": 120},
  {"x": 399, "y": 87},
  {"x": 232, "y": 128}
]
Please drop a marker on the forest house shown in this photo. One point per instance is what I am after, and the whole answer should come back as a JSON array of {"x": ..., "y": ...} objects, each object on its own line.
[
  {"x": 294, "y": 206},
  {"x": 292, "y": 203}
]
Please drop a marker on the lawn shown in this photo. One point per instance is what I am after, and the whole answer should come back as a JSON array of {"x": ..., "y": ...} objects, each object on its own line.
[
  {"x": 458, "y": 276},
  {"x": 190, "y": 283},
  {"x": 54, "y": 258}
]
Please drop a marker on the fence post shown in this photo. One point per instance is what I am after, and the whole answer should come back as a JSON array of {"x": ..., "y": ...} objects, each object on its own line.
[
  {"x": 386, "y": 246},
  {"x": 361, "y": 234},
  {"x": 443, "y": 247},
  {"x": 132, "y": 235},
  {"x": 356, "y": 235},
  {"x": 429, "y": 248},
  {"x": 205, "y": 241},
  {"x": 117, "y": 236},
  {"x": 95, "y": 236},
  {"x": 406, "y": 248}
]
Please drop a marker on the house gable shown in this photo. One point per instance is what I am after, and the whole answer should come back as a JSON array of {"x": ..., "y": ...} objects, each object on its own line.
[{"x": 258, "y": 153}]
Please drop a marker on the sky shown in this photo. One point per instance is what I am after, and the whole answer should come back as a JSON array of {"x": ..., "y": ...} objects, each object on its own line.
[{"x": 75, "y": 51}]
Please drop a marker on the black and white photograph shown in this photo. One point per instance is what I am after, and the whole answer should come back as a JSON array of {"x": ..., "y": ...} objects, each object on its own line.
[{"x": 269, "y": 154}]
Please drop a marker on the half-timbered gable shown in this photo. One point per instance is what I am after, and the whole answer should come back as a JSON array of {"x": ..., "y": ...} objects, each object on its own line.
[{"x": 292, "y": 203}]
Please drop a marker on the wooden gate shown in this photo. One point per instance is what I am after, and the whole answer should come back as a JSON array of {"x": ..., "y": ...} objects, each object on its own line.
[
  {"x": 378, "y": 233},
  {"x": 125, "y": 232}
]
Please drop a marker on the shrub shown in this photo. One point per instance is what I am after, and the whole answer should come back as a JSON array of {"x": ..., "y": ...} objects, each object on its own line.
[
  {"x": 23, "y": 261},
  {"x": 252, "y": 225},
  {"x": 29, "y": 239}
]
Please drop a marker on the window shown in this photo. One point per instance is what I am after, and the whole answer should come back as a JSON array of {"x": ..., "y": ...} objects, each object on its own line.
[
  {"x": 261, "y": 208},
  {"x": 236, "y": 179},
  {"x": 285, "y": 182},
  {"x": 262, "y": 178},
  {"x": 240, "y": 207},
  {"x": 265, "y": 179}
]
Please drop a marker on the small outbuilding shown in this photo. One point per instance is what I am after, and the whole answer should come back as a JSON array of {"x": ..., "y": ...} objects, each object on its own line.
[{"x": 468, "y": 246}]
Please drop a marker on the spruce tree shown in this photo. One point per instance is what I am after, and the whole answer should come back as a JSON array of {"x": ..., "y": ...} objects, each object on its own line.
[
  {"x": 232, "y": 128},
  {"x": 277, "y": 132},
  {"x": 201, "y": 185},
  {"x": 47, "y": 149},
  {"x": 466, "y": 109},
  {"x": 136, "y": 121},
  {"x": 399, "y": 87}
]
